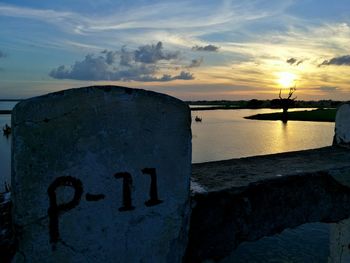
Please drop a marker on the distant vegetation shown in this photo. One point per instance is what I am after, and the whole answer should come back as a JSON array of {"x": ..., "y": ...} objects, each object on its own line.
[
  {"x": 258, "y": 104},
  {"x": 324, "y": 115}
]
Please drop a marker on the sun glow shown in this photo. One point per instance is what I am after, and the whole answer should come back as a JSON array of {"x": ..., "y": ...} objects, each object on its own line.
[{"x": 286, "y": 79}]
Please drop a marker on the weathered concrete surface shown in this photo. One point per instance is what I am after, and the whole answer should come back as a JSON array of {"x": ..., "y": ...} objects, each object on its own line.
[
  {"x": 245, "y": 199},
  {"x": 101, "y": 174},
  {"x": 339, "y": 240},
  {"x": 342, "y": 125},
  {"x": 7, "y": 247}
]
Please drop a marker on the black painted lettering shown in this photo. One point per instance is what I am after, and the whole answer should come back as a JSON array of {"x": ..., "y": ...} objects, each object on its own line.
[
  {"x": 127, "y": 187},
  {"x": 153, "y": 192},
  {"x": 55, "y": 209},
  {"x": 93, "y": 197}
]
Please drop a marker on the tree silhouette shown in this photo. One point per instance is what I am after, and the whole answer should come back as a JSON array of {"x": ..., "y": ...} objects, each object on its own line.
[{"x": 286, "y": 103}]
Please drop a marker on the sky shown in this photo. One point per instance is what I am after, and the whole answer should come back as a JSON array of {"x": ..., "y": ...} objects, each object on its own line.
[{"x": 193, "y": 50}]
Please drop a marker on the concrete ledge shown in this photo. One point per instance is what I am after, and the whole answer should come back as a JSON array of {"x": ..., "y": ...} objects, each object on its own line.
[{"x": 245, "y": 199}]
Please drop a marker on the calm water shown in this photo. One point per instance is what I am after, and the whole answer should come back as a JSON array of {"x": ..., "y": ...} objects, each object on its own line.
[{"x": 224, "y": 134}]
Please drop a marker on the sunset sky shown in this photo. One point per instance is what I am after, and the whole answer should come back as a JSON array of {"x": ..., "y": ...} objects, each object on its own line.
[{"x": 239, "y": 49}]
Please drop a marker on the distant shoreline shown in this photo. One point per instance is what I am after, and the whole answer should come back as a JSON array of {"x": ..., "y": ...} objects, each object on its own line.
[
  {"x": 4, "y": 112},
  {"x": 318, "y": 115},
  {"x": 238, "y": 108}
]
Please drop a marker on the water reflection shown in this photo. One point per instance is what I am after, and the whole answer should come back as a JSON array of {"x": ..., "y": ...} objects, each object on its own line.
[{"x": 225, "y": 134}]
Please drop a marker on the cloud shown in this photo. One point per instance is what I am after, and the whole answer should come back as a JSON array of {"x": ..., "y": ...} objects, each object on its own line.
[
  {"x": 166, "y": 77},
  {"x": 328, "y": 88},
  {"x": 195, "y": 63},
  {"x": 110, "y": 56},
  {"x": 126, "y": 57},
  {"x": 153, "y": 53},
  {"x": 209, "y": 48},
  {"x": 294, "y": 61},
  {"x": 138, "y": 65},
  {"x": 338, "y": 61}
]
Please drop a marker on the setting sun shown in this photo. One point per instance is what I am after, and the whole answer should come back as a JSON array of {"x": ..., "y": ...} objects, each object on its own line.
[{"x": 286, "y": 79}]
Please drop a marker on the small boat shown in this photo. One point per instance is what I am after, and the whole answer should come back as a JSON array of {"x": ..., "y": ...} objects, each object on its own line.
[
  {"x": 198, "y": 119},
  {"x": 6, "y": 130}
]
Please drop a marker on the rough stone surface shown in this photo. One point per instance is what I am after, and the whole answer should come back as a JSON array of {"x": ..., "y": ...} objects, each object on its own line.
[
  {"x": 342, "y": 126},
  {"x": 339, "y": 240},
  {"x": 245, "y": 199},
  {"x": 101, "y": 174},
  {"x": 7, "y": 247}
]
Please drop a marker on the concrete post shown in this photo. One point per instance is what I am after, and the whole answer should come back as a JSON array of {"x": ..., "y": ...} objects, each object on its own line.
[
  {"x": 101, "y": 174},
  {"x": 342, "y": 126},
  {"x": 340, "y": 232}
]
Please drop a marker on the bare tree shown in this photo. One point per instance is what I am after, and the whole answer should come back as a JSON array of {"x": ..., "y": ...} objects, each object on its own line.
[{"x": 286, "y": 103}]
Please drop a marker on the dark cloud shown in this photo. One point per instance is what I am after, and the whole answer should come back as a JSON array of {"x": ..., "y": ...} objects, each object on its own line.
[
  {"x": 91, "y": 68},
  {"x": 205, "y": 48},
  {"x": 184, "y": 75},
  {"x": 328, "y": 88},
  {"x": 126, "y": 57},
  {"x": 123, "y": 65},
  {"x": 196, "y": 63},
  {"x": 153, "y": 53},
  {"x": 110, "y": 56},
  {"x": 338, "y": 61},
  {"x": 291, "y": 61},
  {"x": 166, "y": 77},
  {"x": 294, "y": 61}
]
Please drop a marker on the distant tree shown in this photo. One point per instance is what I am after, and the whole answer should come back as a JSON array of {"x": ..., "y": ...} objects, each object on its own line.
[
  {"x": 275, "y": 104},
  {"x": 254, "y": 104},
  {"x": 286, "y": 103}
]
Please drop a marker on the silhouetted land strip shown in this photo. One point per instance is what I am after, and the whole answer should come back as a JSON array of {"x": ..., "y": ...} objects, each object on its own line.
[
  {"x": 5, "y": 112},
  {"x": 322, "y": 115},
  {"x": 259, "y": 104}
]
